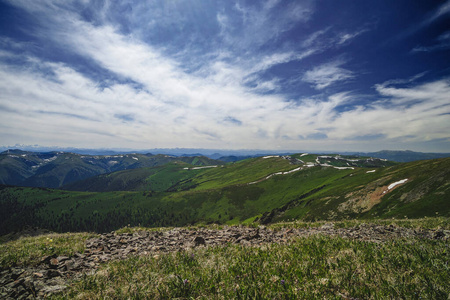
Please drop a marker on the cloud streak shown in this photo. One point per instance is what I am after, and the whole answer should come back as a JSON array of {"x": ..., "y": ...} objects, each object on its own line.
[
  {"x": 143, "y": 95},
  {"x": 259, "y": 120},
  {"x": 327, "y": 74},
  {"x": 442, "y": 43}
]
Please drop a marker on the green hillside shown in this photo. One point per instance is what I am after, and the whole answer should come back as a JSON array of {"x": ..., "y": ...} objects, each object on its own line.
[
  {"x": 365, "y": 194},
  {"x": 16, "y": 166},
  {"x": 157, "y": 179},
  {"x": 261, "y": 189},
  {"x": 180, "y": 176},
  {"x": 55, "y": 169}
]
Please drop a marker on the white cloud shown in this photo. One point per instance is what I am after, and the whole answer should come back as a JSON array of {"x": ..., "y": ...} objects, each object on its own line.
[
  {"x": 255, "y": 25},
  {"x": 313, "y": 38},
  {"x": 72, "y": 110},
  {"x": 428, "y": 19},
  {"x": 327, "y": 74},
  {"x": 444, "y": 9},
  {"x": 210, "y": 108},
  {"x": 345, "y": 37},
  {"x": 443, "y": 43},
  {"x": 418, "y": 113}
]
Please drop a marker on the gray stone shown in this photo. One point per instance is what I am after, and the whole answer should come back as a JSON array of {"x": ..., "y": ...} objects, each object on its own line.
[
  {"x": 199, "y": 241},
  {"x": 53, "y": 289},
  {"x": 16, "y": 273},
  {"x": 50, "y": 273},
  {"x": 62, "y": 258},
  {"x": 53, "y": 263}
]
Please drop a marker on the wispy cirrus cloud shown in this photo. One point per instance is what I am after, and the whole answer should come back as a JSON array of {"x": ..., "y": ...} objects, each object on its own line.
[
  {"x": 346, "y": 37},
  {"x": 422, "y": 107},
  {"x": 442, "y": 43},
  {"x": 327, "y": 74},
  {"x": 329, "y": 37},
  {"x": 443, "y": 10},
  {"x": 255, "y": 25},
  {"x": 440, "y": 12},
  {"x": 146, "y": 94},
  {"x": 255, "y": 120}
]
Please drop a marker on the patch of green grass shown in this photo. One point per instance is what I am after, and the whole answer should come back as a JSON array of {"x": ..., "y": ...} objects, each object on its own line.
[
  {"x": 308, "y": 268},
  {"x": 425, "y": 223},
  {"x": 306, "y": 158},
  {"x": 134, "y": 229},
  {"x": 241, "y": 172},
  {"x": 30, "y": 250}
]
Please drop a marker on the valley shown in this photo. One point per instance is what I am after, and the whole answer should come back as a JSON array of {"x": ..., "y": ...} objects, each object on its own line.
[
  {"x": 264, "y": 190},
  {"x": 55, "y": 169}
]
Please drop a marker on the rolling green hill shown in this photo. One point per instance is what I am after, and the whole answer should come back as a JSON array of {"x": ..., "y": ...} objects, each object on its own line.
[
  {"x": 55, "y": 169},
  {"x": 157, "y": 179},
  {"x": 265, "y": 189},
  {"x": 180, "y": 176}
]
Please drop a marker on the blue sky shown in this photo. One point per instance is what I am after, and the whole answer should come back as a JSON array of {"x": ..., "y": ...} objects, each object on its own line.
[{"x": 276, "y": 75}]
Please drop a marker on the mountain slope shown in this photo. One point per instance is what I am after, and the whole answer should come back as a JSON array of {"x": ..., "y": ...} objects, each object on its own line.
[
  {"x": 415, "y": 189},
  {"x": 55, "y": 169},
  {"x": 180, "y": 176},
  {"x": 405, "y": 156},
  {"x": 265, "y": 189},
  {"x": 157, "y": 179}
]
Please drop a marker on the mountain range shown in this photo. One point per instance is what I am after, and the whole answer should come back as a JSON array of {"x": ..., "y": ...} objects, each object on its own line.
[
  {"x": 226, "y": 154},
  {"x": 55, "y": 169},
  {"x": 195, "y": 190}
]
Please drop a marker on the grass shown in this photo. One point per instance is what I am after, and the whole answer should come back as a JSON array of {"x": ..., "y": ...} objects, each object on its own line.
[
  {"x": 241, "y": 172},
  {"x": 325, "y": 267},
  {"x": 307, "y": 268},
  {"x": 424, "y": 223},
  {"x": 434, "y": 223},
  {"x": 30, "y": 250},
  {"x": 134, "y": 229}
]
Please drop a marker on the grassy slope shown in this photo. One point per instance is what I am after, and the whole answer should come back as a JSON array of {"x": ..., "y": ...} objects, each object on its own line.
[
  {"x": 174, "y": 176},
  {"x": 306, "y": 268},
  {"x": 429, "y": 180},
  {"x": 14, "y": 171},
  {"x": 309, "y": 268},
  {"x": 155, "y": 179},
  {"x": 62, "y": 170},
  {"x": 426, "y": 192},
  {"x": 222, "y": 195},
  {"x": 241, "y": 172}
]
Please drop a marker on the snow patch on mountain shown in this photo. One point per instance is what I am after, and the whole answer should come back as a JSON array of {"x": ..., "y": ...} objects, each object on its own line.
[{"x": 392, "y": 185}]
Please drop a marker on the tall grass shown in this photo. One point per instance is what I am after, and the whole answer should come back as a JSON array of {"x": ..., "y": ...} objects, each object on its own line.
[{"x": 308, "y": 268}]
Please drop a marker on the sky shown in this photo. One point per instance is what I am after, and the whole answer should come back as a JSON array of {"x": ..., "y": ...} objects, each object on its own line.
[{"x": 275, "y": 75}]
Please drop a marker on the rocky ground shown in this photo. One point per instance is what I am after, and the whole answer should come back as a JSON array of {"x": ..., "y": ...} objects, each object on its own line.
[{"x": 54, "y": 274}]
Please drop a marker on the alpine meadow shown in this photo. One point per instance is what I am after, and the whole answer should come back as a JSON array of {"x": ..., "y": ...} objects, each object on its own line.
[{"x": 211, "y": 149}]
